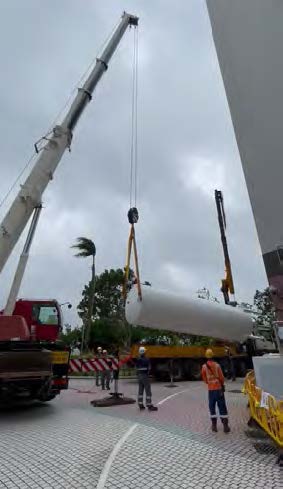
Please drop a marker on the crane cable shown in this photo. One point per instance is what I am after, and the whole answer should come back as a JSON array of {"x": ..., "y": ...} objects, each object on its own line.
[
  {"x": 133, "y": 215},
  {"x": 134, "y": 126}
]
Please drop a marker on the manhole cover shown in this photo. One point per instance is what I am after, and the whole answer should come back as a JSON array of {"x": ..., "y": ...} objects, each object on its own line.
[
  {"x": 235, "y": 391},
  {"x": 265, "y": 448}
]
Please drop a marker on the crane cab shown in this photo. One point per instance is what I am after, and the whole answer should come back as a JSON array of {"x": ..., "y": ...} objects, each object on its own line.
[{"x": 43, "y": 318}]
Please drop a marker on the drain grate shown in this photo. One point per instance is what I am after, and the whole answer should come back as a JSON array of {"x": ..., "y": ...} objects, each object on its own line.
[
  {"x": 265, "y": 448},
  {"x": 257, "y": 434},
  {"x": 235, "y": 391}
]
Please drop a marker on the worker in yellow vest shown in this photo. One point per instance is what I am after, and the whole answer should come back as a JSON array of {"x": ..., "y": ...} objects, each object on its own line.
[{"x": 213, "y": 376}]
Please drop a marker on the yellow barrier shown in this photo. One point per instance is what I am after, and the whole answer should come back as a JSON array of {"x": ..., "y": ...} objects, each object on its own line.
[{"x": 270, "y": 418}]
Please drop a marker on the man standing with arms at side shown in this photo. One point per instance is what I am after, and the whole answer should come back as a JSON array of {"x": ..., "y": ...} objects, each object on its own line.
[
  {"x": 106, "y": 374},
  {"x": 213, "y": 376},
  {"x": 98, "y": 373},
  {"x": 143, "y": 368}
]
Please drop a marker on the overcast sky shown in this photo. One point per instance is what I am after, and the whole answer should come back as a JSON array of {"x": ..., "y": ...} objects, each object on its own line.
[{"x": 187, "y": 147}]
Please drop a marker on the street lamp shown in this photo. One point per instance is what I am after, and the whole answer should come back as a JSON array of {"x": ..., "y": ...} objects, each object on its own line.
[{"x": 68, "y": 304}]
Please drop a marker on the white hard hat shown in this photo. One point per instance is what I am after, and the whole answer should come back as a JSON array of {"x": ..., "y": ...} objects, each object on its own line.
[
  {"x": 104, "y": 351},
  {"x": 142, "y": 350},
  {"x": 99, "y": 348}
]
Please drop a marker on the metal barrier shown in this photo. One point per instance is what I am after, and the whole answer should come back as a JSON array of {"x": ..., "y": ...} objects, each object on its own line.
[
  {"x": 87, "y": 365},
  {"x": 265, "y": 409}
]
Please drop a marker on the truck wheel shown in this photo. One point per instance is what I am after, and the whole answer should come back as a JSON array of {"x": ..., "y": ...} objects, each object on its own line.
[
  {"x": 241, "y": 369},
  {"x": 47, "y": 398},
  {"x": 195, "y": 371},
  {"x": 178, "y": 373}
]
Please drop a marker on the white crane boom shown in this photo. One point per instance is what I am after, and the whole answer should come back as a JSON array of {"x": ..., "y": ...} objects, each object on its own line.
[
  {"x": 13, "y": 294},
  {"x": 31, "y": 192}
]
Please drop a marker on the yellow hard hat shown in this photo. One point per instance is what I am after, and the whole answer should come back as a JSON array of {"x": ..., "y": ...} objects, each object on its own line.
[{"x": 209, "y": 353}]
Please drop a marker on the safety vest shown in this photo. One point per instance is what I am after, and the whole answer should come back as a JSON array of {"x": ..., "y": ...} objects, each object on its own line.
[
  {"x": 143, "y": 365},
  {"x": 212, "y": 376}
]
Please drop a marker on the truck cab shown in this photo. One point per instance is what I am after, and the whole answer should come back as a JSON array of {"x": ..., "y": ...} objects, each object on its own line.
[
  {"x": 43, "y": 318},
  {"x": 43, "y": 322}
]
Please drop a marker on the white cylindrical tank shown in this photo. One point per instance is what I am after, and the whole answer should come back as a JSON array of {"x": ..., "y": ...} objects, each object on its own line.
[{"x": 165, "y": 310}]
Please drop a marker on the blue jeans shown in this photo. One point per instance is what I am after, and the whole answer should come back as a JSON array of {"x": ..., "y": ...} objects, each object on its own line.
[{"x": 217, "y": 398}]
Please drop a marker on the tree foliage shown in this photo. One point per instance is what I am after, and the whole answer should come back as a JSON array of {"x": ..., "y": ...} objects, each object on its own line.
[
  {"x": 108, "y": 328},
  {"x": 108, "y": 300},
  {"x": 71, "y": 336},
  {"x": 108, "y": 333},
  {"x": 86, "y": 248},
  {"x": 265, "y": 315}
]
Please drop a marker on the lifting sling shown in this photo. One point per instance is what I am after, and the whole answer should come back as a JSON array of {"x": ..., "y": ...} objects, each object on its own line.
[{"x": 133, "y": 217}]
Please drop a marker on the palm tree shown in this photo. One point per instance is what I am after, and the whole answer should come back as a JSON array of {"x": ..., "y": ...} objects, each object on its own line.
[{"x": 86, "y": 248}]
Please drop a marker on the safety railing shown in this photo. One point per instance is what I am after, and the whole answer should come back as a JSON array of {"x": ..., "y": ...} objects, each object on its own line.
[{"x": 265, "y": 409}]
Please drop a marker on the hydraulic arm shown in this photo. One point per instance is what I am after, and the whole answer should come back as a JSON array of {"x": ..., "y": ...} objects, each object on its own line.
[
  {"x": 30, "y": 195},
  {"x": 227, "y": 284}
]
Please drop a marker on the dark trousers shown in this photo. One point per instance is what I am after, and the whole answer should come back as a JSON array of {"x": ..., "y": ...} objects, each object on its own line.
[
  {"x": 217, "y": 397},
  {"x": 97, "y": 378},
  {"x": 232, "y": 369},
  {"x": 105, "y": 378},
  {"x": 144, "y": 385}
]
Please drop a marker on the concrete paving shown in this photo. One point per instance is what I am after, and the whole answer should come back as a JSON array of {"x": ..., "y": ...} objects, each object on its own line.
[{"x": 69, "y": 444}]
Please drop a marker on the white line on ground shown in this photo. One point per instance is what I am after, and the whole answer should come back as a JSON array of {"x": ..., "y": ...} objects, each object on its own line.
[
  {"x": 169, "y": 397},
  {"x": 108, "y": 464},
  {"x": 112, "y": 456}
]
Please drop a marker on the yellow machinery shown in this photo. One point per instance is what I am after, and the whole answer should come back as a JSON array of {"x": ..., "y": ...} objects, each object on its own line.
[
  {"x": 188, "y": 360},
  {"x": 268, "y": 413}
]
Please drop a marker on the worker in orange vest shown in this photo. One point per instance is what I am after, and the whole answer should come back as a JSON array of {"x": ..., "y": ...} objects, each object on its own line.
[{"x": 213, "y": 376}]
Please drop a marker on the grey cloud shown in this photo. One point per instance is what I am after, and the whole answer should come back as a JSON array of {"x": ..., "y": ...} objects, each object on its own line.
[{"x": 183, "y": 120}]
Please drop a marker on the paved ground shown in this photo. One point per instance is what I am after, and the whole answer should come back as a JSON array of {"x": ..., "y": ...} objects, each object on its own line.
[{"x": 70, "y": 444}]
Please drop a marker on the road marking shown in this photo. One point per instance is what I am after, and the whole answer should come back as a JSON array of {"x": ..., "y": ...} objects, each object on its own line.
[
  {"x": 169, "y": 397},
  {"x": 108, "y": 464},
  {"x": 107, "y": 467}
]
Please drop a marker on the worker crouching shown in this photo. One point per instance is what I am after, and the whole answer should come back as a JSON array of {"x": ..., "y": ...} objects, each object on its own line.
[
  {"x": 213, "y": 376},
  {"x": 143, "y": 368}
]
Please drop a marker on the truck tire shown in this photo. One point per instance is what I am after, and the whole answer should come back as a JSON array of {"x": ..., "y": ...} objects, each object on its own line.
[
  {"x": 195, "y": 371},
  {"x": 178, "y": 371},
  {"x": 46, "y": 393},
  {"x": 241, "y": 369},
  {"x": 48, "y": 398}
]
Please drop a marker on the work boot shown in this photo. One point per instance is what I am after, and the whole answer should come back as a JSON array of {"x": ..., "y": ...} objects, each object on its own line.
[
  {"x": 226, "y": 425},
  {"x": 214, "y": 425},
  {"x": 141, "y": 406},
  {"x": 152, "y": 408}
]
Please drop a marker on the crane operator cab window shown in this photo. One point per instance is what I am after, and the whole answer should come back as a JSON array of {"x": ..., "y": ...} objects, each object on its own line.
[
  {"x": 46, "y": 319},
  {"x": 46, "y": 314}
]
